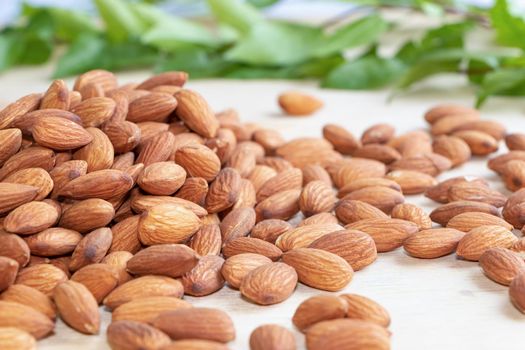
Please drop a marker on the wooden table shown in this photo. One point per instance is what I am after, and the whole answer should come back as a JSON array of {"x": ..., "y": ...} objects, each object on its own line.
[{"x": 434, "y": 304}]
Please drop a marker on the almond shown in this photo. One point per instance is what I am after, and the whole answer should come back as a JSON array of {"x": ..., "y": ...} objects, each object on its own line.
[
  {"x": 303, "y": 236},
  {"x": 65, "y": 172},
  {"x": 388, "y": 234},
  {"x": 157, "y": 149},
  {"x": 43, "y": 277},
  {"x": 501, "y": 265},
  {"x": 355, "y": 169},
  {"x": 444, "y": 213},
  {"x": 91, "y": 249},
  {"x": 143, "y": 203},
  {"x": 319, "y": 308},
  {"x": 247, "y": 196},
  {"x": 205, "y": 278},
  {"x": 95, "y": 111},
  {"x": 167, "y": 78},
  {"x": 383, "y": 198},
  {"x": 481, "y": 238},
  {"x": 123, "y": 335},
  {"x": 21, "y": 294},
  {"x": 412, "y": 182},
  {"x": 433, "y": 243},
  {"x": 440, "y": 111},
  {"x": 269, "y": 230},
  {"x": 516, "y": 292},
  {"x": 162, "y": 178},
  {"x": 54, "y": 242},
  {"x": 452, "y": 147},
  {"x": 147, "y": 309},
  {"x": 195, "y": 344},
  {"x": 363, "y": 308},
  {"x": 236, "y": 267},
  {"x": 12, "y": 338},
  {"x": 347, "y": 333},
  {"x": 124, "y": 136},
  {"x": 242, "y": 245},
  {"x": 316, "y": 197},
  {"x": 224, "y": 191},
  {"x": 480, "y": 143},
  {"x": 296, "y": 103},
  {"x": 378, "y": 133},
  {"x": 238, "y": 223},
  {"x": 303, "y": 151},
  {"x": 14, "y": 247},
  {"x": 271, "y": 337},
  {"x": 451, "y": 122},
  {"x": 8, "y": 272},
  {"x": 195, "y": 112},
  {"x": 99, "y": 153},
  {"x": 243, "y": 160},
  {"x": 269, "y": 283},
  {"x": 490, "y": 127},
  {"x": 382, "y": 153},
  {"x": 288, "y": 179},
  {"x": 118, "y": 260},
  {"x": 498, "y": 163},
  {"x": 356, "y": 247},
  {"x": 411, "y": 212},
  {"x": 195, "y": 190},
  {"x": 18, "y": 108},
  {"x": 11, "y": 142},
  {"x": 515, "y": 141},
  {"x": 167, "y": 223},
  {"x": 207, "y": 240},
  {"x": 171, "y": 260},
  {"x": 439, "y": 192},
  {"x": 146, "y": 286},
  {"x": 77, "y": 307},
  {"x": 30, "y": 218},
  {"x": 342, "y": 140},
  {"x": 469, "y": 220},
  {"x": 319, "y": 269},
  {"x": 196, "y": 323},
  {"x": 86, "y": 215},
  {"x": 14, "y": 195},
  {"x": 432, "y": 164},
  {"x": 25, "y": 318},
  {"x": 268, "y": 138},
  {"x": 314, "y": 172},
  {"x": 125, "y": 235},
  {"x": 99, "y": 279},
  {"x": 349, "y": 211},
  {"x": 277, "y": 163},
  {"x": 260, "y": 175},
  {"x": 514, "y": 174},
  {"x": 29, "y": 157},
  {"x": 514, "y": 210},
  {"x": 155, "y": 106},
  {"x": 36, "y": 177},
  {"x": 103, "y": 184},
  {"x": 101, "y": 77},
  {"x": 473, "y": 192}
]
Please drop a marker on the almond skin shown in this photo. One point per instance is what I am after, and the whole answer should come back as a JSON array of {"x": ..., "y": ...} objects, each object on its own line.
[
  {"x": 412, "y": 182},
  {"x": 319, "y": 269},
  {"x": 269, "y": 230},
  {"x": 25, "y": 318},
  {"x": 514, "y": 174},
  {"x": 167, "y": 223},
  {"x": 30, "y": 218},
  {"x": 95, "y": 111},
  {"x": 103, "y": 184},
  {"x": 314, "y": 172},
  {"x": 53, "y": 241},
  {"x": 356, "y": 247},
  {"x": 469, "y": 220},
  {"x": 198, "y": 161},
  {"x": 99, "y": 279},
  {"x": 319, "y": 308},
  {"x": 238, "y": 223},
  {"x": 271, "y": 337},
  {"x": 155, "y": 106},
  {"x": 317, "y": 197},
  {"x": 342, "y": 140},
  {"x": 207, "y": 240},
  {"x": 194, "y": 189},
  {"x": 501, "y": 265},
  {"x": 87, "y": 215},
  {"x": 21, "y": 294},
  {"x": 480, "y": 143},
  {"x": 14, "y": 195},
  {"x": 251, "y": 245},
  {"x": 367, "y": 182},
  {"x": 473, "y": 192},
  {"x": 285, "y": 180},
  {"x": 196, "y": 113},
  {"x": 77, "y": 307},
  {"x": 444, "y": 213},
  {"x": 118, "y": 261},
  {"x": 162, "y": 178},
  {"x": 11, "y": 142},
  {"x": 303, "y": 236},
  {"x": 235, "y": 268},
  {"x": 224, "y": 191},
  {"x": 172, "y": 78},
  {"x": 383, "y": 198},
  {"x": 304, "y": 151},
  {"x": 388, "y": 234},
  {"x": 345, "y": 173},
  {"x": 481, "y": 238},
  {"x": 147, "y": 309},
  {"x": 196, "y": 323},
  {"x": 195, "y": 344},
  {"x": 43, "y": 277},
  {"x": 205, "y": 278},
  {"x": 440, "y": 111},
  {"x": 347, "y": 334},
  {"x": 378, "y": 133},
  {"x": 8, "y": 272},
  {"x": 18, "y": 108},
  {"x": 60, "y": 134},
  {"x": 29, "y": 157},
  {"x": 99, "y": 153},
  {"x": 433, "y": 243},
  {"x": 516, "y": 292},
  {"x": 349, "y": 211},
  {"x": 91, "y": 249},
  {"x": 12, "y": 338},
  {"x": 36, "y": 177},
  {"x": 146, "y": 286},
  {"x": 125, "y": 235},
  {"x": 281, "y": 205},
  {"x": 431, "y": 164},
  {"x": 144, "y": 203},
  {"x": 122, "y": 335},
  {"x": 515, "y": 141},
  {"x": 413, "y": 213},
  {"x": 363, "y": 308},
  {"x": 452, "y": 147},
  {"x": 172, "y": 260},
  {"x": 14, "y": 247},
  {"x": 296, "y": 103},
  {"x": 269, "y": 283}
]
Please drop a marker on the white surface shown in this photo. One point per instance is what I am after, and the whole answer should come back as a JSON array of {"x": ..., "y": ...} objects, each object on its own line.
[{"x": 434, "y": 304}]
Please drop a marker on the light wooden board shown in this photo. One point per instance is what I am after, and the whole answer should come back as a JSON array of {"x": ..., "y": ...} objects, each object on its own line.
[{"x": 435, "y": 304}]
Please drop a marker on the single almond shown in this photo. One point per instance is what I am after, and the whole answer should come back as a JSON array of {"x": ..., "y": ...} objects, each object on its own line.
[
  {"x": 272, "y": 336},
  {"x": 158, "y": 148},
  {"x": 353, "y": 169},
  {"x": 14, "y": 247},
  {"x": 445, "y": 212},
  {"x": 25, "y": 295},
  {"x": 317, "y": 197},
  {"x": 195, "y": 112},
  {"x": 439, "y": 192},
  {"x": 303, "y": 236},
  {"x": 242, "y": 245},
  {"x": 8, "y": 272},
  {"x": 207, "y": 240},
  {"x": 236, "y": 267},
  {"x": 36, "y": 177},
  {"x": 388, "y": 234},
  {"x": 296, "y": 103},
  {"x": 205, "y": 278},
  {"x": 517, "y": 292},
  {"x": 91, "y": 249},
  {"x": 269, "y": 283},
  {"x": 125, "y": 235},
  {"x": 124, "y": 136},
  {"x": 224, "y": 191},
  {"x": 30, "y": 218},
  {"x": 53, "y": 241},
  {"x": 95, "y": 111},
  {"x": 433, "y": 243},
  {"x": 315, "y": 172},
  {"x": 440, "y": 111},
  {"x": 103, "y": 184},
  {"x": 12, "y": 338},
  {"x": 84, "y": 216},
  {"x": 99, "y": 279},
  {"x": 432, "y": 164},
  {"x": 162, "y": 178},
  {"x": 123, "y": 335},
  {"x": 498, "y": 163},
  {"x": 411, "y": 212},
  {"x": 482, "y": 238},
  {"x": 194, "y": 189},
  {"x": 102, "y": 77},
  {"x": 77, "y": 307},
  {"x": 515, "y": 141},
  {"x": 363, "y": 308},
  {"x": 18, "y": 108},
  {"x": 412, "y": 182},
  {"x": 99, "y": 153},
  {"x": 480, "y": 143},
  {"x": 14, "y": 195},
  {"x": 514, "y": 174},
  {"x": 319, "y": 308},
  {"x": 238, "y": 223},
  {"x": 469, "y": 220},
  {"x": 155, "y": 106},
  {"x": 501, "y": 265},
  {"x": 269, "y": 230},
  {"x": 473, "y": 192},
  {"x": 172, "y": 260},
  {"x": 452, "y": 147},
  {"x": 25, "y": 318},
  {"x": 349, "y": 211},
  {"x": 378, "y": 133},
  {"x": 147, "y": 309},
  {"x": 29, "y": 157},
  {"x": 288, "y": 179},
  {"x": 303, "y": 151},
  {"x": 383, "y": 198},
  {"x": 11, "y": 142}
]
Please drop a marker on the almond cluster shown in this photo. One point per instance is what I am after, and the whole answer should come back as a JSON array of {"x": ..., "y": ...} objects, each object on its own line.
[{"x": 132, "y": 196}]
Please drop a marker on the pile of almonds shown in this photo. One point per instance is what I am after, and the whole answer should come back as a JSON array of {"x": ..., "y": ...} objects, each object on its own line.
[{"x": 133, "y": 196}]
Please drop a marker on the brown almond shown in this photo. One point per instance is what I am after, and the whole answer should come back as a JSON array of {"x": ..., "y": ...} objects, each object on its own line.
[
  {"x": 95, "y": 111},
  {"x": 451, "y": 122},
  {"x": 157, "y": 149},
  {"x": 43, "y": 277},
  {"x": 498, "y": 163},
  {"x": 269, "y": 283},
  {"x": 349, "y": 211},
  {"x": 122, "y": 335},
  {"x": 412, "y": 182},
  {"x": 481, "y": 238},
  {"x": 319, "y": 308},
  {"x": 118, "y": 261},
  {"x": 469, "y": 220},
  {"x": 101, "y": 77},
  {"x": 198, "y": 161},
  {"x": 8, "y": 272},
  {"x": 307, "y": 150},
  {"x": 18, "y": 108},
  {"x": 514, "y": 210},
  {"x": 147, "y": 309},
  {"x": 36, "y": 177},
  {"x": 196, "y": 323},
  {"x": 490, "y": 127},
  {"x": 243, "y": 160},
  {"x": 354, "y": 169},
  {"x": 452, "y": 147},
  {"x": 268, "y": 138},
  {"x": 195, "y": 112},
  {"x": 124, "y": 136},
  {"x": 378, "y": 133},
  {"x": 238, "y": 223},
  {"x": 11, "y": 142},
  {"x": 247, "y": 195},
  {"x": 29, "y": 157},
  {"x": 12, "y": 338},
  {"x": 171, "y": 260},
  {"x": 25, "y": 318},
  {"x": 285, "y": 180},
  {"x": 501, "y": 265},
  {"x": 53, "y": 242},
  {"x": 480, "y": 143},
  {"x": 236, "y": 267},
  {"x": 242, "y": 245},
  {"x": 224, "y": 191},
  {"x": 14, "y": 247},
  {"x": 445, "y": 212},
  {"x": 383, "y": 198},
  {"x": 260, "y": 175},
  {"x": 277, "y": 163},
  {"x": 342, "y": 140},
  {"x": 205, "y": 278},
  {"x": 356, "y": 247},
  {"x": 173, "y": 78},
  {"x": 99, "y": 279},
  {"x": 207, "y": 240},
  {"x": 439, "y": 192},
  {"x": 155, "y": 106},
  {"x": 167, "y": 223},
  {"x": 315, "y": 172},
  {"x": 303, "y": 236},
  {"x": 319, "y": 268},
  {"x": 14, "y": 195},
  {"x": 473, "y": 192},
  {"x": 143, "y": 203},
  {"x": 65, "y": 172},
  {"x": 25, "y": 295},
  {"x": 432, "y": 164},
  {"x": 103, "y": 184},
  {"x": 272, "y": 337},
  {"x": 125, "y": 235},
  {"x": 296, "y": 103},
  {"x": 99, "y": 153},
  {"x": 379, "y": 152},
  {"x": 433, "y": 243},
  {"x": 77, "y": 307},
  {"x": 440, "y": 111},
  {"x": 86, "y": 215},
  {"x": 162, "y": 178},
  {"x": 56, "y": 96},
  {"x": 269, "y": 230},
  {"x": 347, "y": 333},
  {"x": 514, "y": 174},
  {"x": 316, "y": 197},
  {"x": 30, "y": 218},
  {"x": 515, "y": 141},
  {"x": 516, "y": 292},
  {"x": 194, "y": 189},
  {"x": 411, "y": 212},
  {"x": 388, "y": 234},
  {"x": 363, "y": 308},
  {"x": 91, "y": 249},
  {"x": 145, "y": 286}
]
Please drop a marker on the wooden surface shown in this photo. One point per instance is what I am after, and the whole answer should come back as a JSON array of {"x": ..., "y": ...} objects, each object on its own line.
[{"x": 434, "y": 304}]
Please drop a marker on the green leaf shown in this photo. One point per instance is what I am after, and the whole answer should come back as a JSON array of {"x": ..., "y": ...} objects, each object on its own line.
[
  {"x": 9, "y": 50},
  {"x": 424, "y": 70},
  {"x": 262, "y": 3},
  {"x": 70, "y": 24},
  {"x": 502, "y": 82},
  {"x": 179, "y": 33},
  {"x": 199, "y": 63},
  {"x": 276, "y": 43},
  {"x": 236, "y": 13},
  {"x": 120, "y": 20},
  {"x": 365, "y": 73},
  {"x": 361, "y": 32},
  {"x": 510, "y": 30},
  {"x": 85, "y": 53}
]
